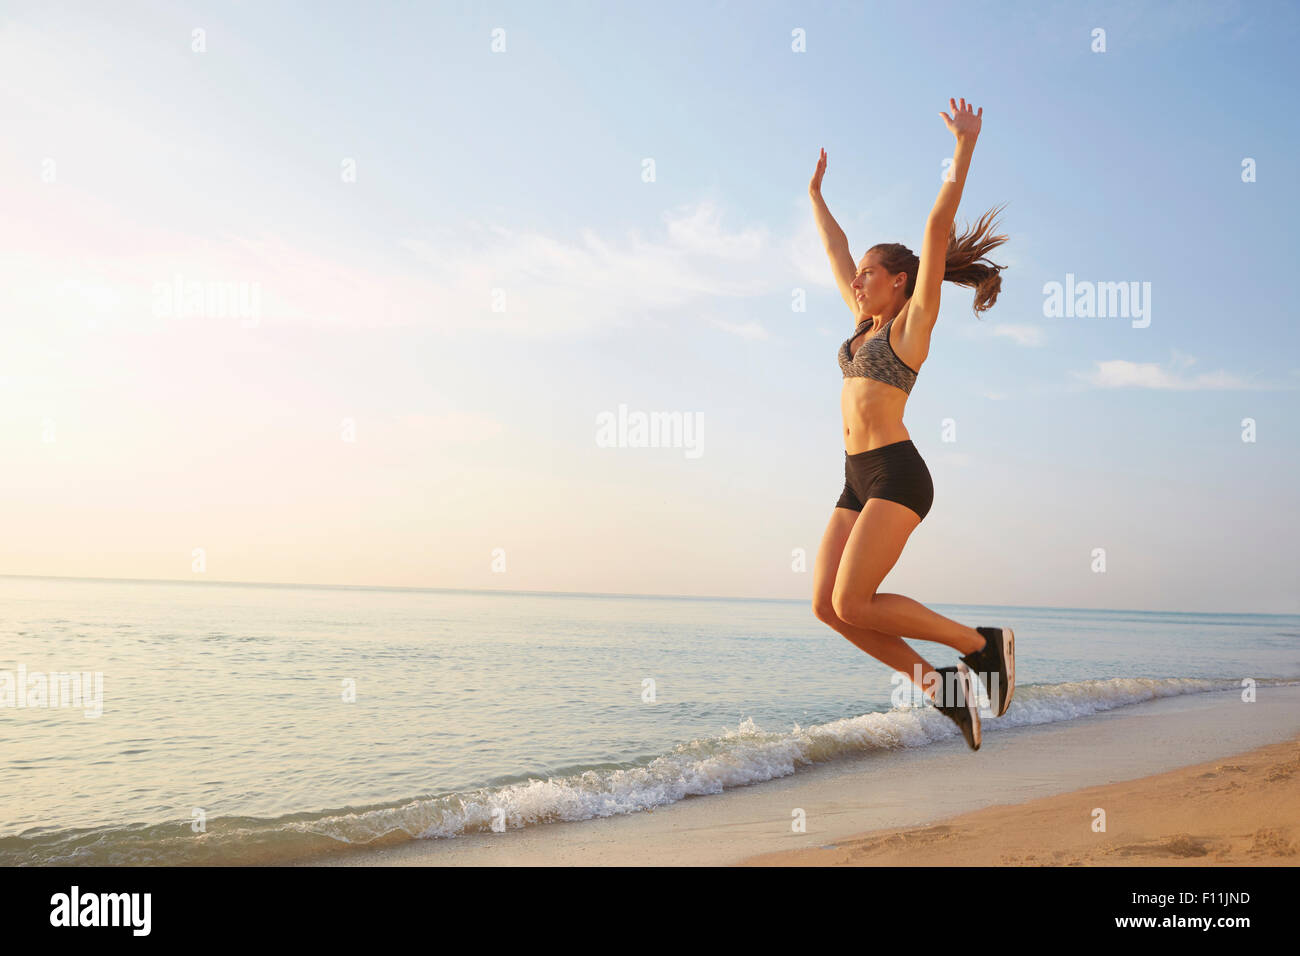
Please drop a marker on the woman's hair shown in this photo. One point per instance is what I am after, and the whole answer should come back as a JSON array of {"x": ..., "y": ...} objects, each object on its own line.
[{"x": 964, "y": 262}]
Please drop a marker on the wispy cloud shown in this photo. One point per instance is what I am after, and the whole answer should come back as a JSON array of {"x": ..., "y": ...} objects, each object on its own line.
[
  {"x": 699, "y": 230},
  {"x": 745, "y": 330},
  {"x": 476, "y": 276},
  {"x": 956, "y": 307},
  {"x": 556, "y": 284},
  {"x": 1121, "y": 373},
  {"x": 1027, "y": 335}
]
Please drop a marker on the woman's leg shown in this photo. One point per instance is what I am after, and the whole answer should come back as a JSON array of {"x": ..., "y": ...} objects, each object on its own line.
[
  {"x": 871, "y": 551},
  {"x": 886, "y": 648}
]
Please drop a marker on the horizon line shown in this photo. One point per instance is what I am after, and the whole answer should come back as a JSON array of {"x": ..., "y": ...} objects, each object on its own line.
[{"x": 686, "y": 597}]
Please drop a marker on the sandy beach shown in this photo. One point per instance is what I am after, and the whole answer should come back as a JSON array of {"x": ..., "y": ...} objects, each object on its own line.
[
  {"x": 1200, "y": 779},
  {"x": 1241, "y": 811}
]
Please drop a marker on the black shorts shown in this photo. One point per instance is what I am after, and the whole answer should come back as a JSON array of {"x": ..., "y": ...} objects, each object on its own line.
[{"x": 895, "y": 472}]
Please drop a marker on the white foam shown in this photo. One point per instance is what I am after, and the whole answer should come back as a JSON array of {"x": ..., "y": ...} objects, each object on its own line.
[{"x": 736, "y": 758}]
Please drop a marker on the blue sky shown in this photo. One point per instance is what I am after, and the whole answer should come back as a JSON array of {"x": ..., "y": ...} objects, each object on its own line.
[{"x": 132, "y": 437}]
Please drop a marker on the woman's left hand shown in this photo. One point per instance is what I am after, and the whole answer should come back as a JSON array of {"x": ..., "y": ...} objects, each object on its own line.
[{"x": 964, "y": 123}]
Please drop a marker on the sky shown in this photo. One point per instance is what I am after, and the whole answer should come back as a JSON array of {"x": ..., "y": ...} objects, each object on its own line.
[{"x": 359, "y": 293}]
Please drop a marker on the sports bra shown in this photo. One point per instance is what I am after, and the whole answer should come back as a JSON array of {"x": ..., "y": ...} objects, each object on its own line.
[{"x": 876, "y": 359}]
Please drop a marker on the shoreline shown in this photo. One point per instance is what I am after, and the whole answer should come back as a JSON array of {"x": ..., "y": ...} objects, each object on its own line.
[{"x": 1126, "y": 760}]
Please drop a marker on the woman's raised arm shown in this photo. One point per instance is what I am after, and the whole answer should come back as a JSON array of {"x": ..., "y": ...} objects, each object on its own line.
[
  {"x": 965, "y": 126},
  {"x": 837, "y": 244}
]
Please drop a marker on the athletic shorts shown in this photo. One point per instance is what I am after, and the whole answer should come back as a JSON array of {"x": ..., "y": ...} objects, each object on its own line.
[{"x": 895, "y": 472}]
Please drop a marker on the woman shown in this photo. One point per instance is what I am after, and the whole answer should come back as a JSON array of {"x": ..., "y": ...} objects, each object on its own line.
[{"x": 894, "y": 297}]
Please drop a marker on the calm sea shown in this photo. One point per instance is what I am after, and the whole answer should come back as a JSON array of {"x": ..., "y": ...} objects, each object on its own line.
[{"x": 244, "y": 723}]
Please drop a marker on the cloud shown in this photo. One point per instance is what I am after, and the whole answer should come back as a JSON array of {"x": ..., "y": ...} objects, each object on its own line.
[
  {"x": 1120, "y": 373},
  {"x": 1027, "y": 335},
  {"x": 746, "y": 330},
  {"x": 700, "y": 231},
  {"x": 551, "y": 284},
  {"x": 476, "y": 276}
]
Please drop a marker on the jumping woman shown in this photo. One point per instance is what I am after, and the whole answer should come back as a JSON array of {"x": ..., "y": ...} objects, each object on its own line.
[{"x": 894, "y": 298}]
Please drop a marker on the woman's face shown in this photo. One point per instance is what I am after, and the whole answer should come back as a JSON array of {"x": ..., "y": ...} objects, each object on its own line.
[{"x": 873, "y": 286}]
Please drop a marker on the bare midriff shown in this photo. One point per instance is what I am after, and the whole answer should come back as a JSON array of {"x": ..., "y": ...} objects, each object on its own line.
[{"x": 873, "y": 414}]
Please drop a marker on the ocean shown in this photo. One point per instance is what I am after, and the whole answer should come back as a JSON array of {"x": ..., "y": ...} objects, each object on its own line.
[{"x": 244, "y": 724}]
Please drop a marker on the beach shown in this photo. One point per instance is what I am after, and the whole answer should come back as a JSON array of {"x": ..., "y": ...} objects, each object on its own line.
[
  {"x": 1236, "y": 811},
  {"x": 1197, "y": 779}
]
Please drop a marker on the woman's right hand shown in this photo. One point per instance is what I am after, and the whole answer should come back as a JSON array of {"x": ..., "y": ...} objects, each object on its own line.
[{"x": 815, "y": 186}]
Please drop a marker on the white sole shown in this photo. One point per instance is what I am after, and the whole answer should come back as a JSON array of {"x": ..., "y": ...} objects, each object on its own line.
[
  {"x": 972, "y": 703},
  {"x": 1009, "y": 654}
]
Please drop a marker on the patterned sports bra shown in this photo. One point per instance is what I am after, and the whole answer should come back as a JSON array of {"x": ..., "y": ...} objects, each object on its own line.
[{"x": 876, "y": 359}]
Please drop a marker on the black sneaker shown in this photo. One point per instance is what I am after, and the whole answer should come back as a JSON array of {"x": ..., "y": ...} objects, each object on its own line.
[
  {"x": 960, "y": 703},
  {"x": 997, "y": 656}
]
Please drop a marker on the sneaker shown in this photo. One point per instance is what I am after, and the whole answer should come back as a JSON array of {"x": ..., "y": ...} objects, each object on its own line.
[
  {"x": 960, "y": 703},
  {"x": 997, "y": 656}
]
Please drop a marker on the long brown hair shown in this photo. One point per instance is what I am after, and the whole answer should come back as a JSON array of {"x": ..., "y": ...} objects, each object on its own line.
[{"x": 964, "y": 262}]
